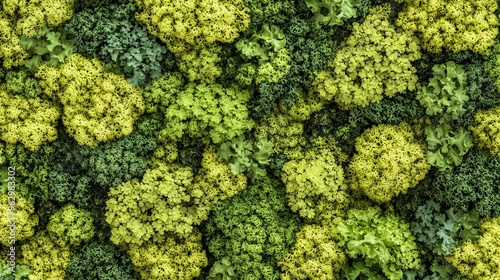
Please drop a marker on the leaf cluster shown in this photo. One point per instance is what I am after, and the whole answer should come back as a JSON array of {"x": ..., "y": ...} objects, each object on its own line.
[
  {"x": 254, "y": 230},
  {"x": 315, "y": 255},
  {"x": 315, "y": 185},
  {"x": 380, "y": 245},
  {"x": 22, "y": 20},
  {"x": 375, "y": 61},
  {"x": 446, "y": 147},
  {"x": 112, "y": 33},
  {"x": 222, "y": 270},
  {"x": 269, "y": 39},
  {"x": 246, "y": 156},
  {"x": 333, "y": 12},
  {"x": 480, "y": 89},
  {"x": 470, "y": 186},
  {"x": 479, "y": 259},
  {"x": 47, "y": 259},
  {"x": 30, "y": 121},
  {"x": 25, "y": 222},
  {"x": 32, "y": 169},
  {"x": 20, "y": 83},
  {"x": 75, "y": 170},
  {"x": 436, "y": 268},
  {"x": 207, "y": 111},
  {"x": 173, "y": 258},
  {"x": 485, "y": 129},
  {"x": 455, "y": 25},
  {"x": 48, "y": 45},
  {"x": 200, "y": 65},
  {"x": 310, "y": 49},
  {"x": 100, "y": 260},
  {"x": 97, "y": 106},
  {"x": 346, "y": 126},
  {"x": 197, "y": 23},
  {"x": 269, "y": 12},
  {"x": 21, "y": 272},
  {"x": 441, "y": 231},
  {"x": 71, "y": 226},
  {"x": 388, "y": 161},
  {"x": 445, "y": 95}
]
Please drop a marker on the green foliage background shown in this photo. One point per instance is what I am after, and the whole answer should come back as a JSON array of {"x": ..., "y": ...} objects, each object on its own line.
[{"x": 250, "y": 139}]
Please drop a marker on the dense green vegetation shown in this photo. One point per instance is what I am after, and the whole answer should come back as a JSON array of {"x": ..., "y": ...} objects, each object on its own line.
[{"x": 249, "y": 139}]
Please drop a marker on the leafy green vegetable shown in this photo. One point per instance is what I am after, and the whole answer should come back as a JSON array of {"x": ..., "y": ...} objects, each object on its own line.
[
  {"x": 269, "y": 39},
  {"x": 473, "y": 185},
  {"x": 246, "y": 156},
  {"x": 379, "y": 245},
  {"x": 388, "y": 161},
  {"x": 21, "y": 272},
  {"x": 309, "y": 47},
  {"x": 70, "y": 226},
  {"x": 100, "y": 260},
  {"x": 197, "y": 140},
  {"x": 254, "y": 229},
  {"x": 315, "y": 255},
  {"x": 112, "y": 33},
  {"x": 446, "y": 147},
  {"x": 436, "y": 268},
  {"x": 445, "y": 95},
  {"x": 75, "y": 170},
  {"x": 333, "y": 12},
  {"x": 479, "y": 259},
  {"x": 32, "y": 170},
  {"x": 441, "y": 231},
  {"x": 264, "y": 12},
  {"x": 19, "y": 83},
  {"x": 48, "y": 45},
  {"x": 315, "y": 184},
  {"x": 206, "y": 111},
  {"x": 222, "y": 270}
]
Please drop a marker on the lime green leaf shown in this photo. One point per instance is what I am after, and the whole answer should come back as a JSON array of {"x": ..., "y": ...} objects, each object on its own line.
[{"x": 22, "y": 271}]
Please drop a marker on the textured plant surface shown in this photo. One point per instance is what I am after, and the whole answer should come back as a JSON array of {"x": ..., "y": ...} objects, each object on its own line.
[
  {"x": 315, "y": 184},
  {"x": 388, "y": 161},
  {"x": 315, "y": 255},
  {"x": 213, "y": 21},
  {"x": 441, "y": 231},
  {"x": 471, "y": 185},
  {"x": 25, "y": 223},
  {"x": 486, "y": 129},
  {"x": 379, "y": 245},
  {"x": 48, "y": 44},
  {"x": 374, "y": 62},
  {"x": 30, "y": 121},
  {"x": 254, "y": 230},
  {"x": 97, "y": 106},
  {"x": 112, "y": 34},
  {"x": 445, "y": 94},
  {"x": 446, "y": 147},
  {"x": 333, "y": 12},
  {"x": 479, "y": 259},
  {"x": 249, "y": 139},
  {"x": 245, "y": 156},
  {"x": 455, "y": 25}
]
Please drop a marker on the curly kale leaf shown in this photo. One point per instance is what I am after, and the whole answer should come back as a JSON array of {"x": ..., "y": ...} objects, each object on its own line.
[{"x": 112, "y": 33}]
